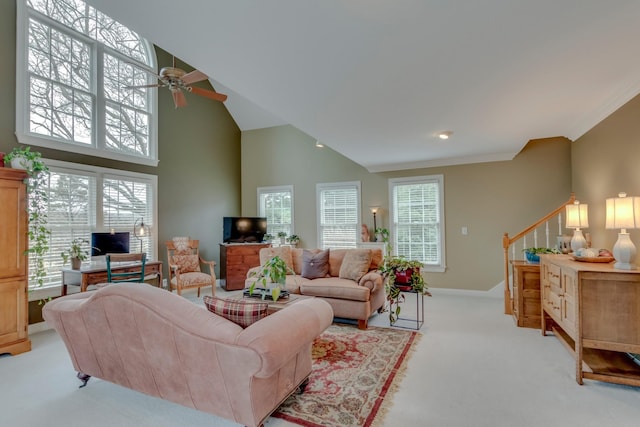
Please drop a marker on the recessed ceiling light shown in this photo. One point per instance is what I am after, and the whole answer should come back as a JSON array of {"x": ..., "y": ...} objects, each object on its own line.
[
  {"x": 319, "y": 144},
  {"x": 445, "y": 134}
]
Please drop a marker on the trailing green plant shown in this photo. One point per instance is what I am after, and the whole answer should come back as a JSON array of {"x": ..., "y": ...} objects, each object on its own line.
[
  {"x": 391, "y": 265},
  {"x": 267, "y": 237},
  {"x": 541, "y": 251},
  {"x": 38, "y": 230},
  {"x": 384, "y": 237},
  {"x": 77, "y": 249},
  {"x": 273, "y": 271},
  {"x": 293, "y": 239}
]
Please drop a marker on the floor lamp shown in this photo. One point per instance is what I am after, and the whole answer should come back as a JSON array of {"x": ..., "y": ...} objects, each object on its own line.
[
  {"x": 374, "y": 211},
  {"x": 140, "y": 230}
]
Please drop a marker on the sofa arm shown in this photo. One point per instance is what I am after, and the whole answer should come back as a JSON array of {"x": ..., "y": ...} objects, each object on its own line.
[
  {"x": 282, "y": 335},
  {"x": 372, "y": 280}
]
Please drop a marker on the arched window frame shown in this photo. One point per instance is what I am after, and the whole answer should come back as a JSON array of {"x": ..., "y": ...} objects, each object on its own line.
[{"x": 97, "y": 146}]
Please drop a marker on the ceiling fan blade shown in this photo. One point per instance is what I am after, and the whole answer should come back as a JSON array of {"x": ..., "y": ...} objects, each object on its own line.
[
  {"x": 143, "y": 86},
  {"x": 194, "y": 76},
  {"x": 179, "y": 100},
  {"x": 208, "y": 93}
]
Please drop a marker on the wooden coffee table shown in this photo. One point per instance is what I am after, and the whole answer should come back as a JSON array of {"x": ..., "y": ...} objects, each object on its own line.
[{"x": 275, "y": 306}]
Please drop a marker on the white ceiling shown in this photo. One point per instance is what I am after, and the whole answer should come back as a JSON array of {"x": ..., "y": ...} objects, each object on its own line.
[{"x": 376, "y": 79}]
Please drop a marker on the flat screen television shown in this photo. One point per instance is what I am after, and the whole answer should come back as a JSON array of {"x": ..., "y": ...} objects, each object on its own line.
[
  {"x": 109, "y": 243},
  {"x": 243, "y": 229}
]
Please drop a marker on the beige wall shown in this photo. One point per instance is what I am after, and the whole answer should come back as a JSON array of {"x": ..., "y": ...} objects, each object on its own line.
[
  {"x": 488, "y": 198},
  {"x": 199, "y": 151},
  {"x": 605, "y": 162}
]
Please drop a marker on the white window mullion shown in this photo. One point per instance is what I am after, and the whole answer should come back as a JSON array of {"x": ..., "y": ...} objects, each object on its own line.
[{"x": 99, "y": 111}]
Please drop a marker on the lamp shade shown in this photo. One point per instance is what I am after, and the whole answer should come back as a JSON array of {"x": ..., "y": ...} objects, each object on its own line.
[
  {"x": 623, "y": 212},
  {"x": 577, "y": 215}
]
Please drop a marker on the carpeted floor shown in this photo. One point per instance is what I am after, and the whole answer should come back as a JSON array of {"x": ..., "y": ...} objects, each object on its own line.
[{"x": 354, "y": 374}]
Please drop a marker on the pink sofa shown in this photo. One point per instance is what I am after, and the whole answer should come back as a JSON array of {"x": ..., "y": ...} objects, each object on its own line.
[
  {"x": 349, "y": 299},
  {"x": 158, "y": 343}
]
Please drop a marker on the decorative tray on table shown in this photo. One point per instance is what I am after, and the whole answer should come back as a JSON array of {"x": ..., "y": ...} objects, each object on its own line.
[
  {"x": 257, "y": 293},
  {"x": 593, "y": 259}
]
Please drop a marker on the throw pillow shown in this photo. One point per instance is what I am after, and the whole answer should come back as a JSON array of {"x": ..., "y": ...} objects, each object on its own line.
[
  {"x": 315, "y": 264},
  {"x": 355, "y": 264},
  {"x": 186, "y": 263},
  {"x": 376, "y": 259},
  {"x": 242, "y": 313},
  {"x": 283, "y": 252}
]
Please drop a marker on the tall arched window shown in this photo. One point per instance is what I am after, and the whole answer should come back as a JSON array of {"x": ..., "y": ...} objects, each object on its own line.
[{"x": 73, "y": 66}]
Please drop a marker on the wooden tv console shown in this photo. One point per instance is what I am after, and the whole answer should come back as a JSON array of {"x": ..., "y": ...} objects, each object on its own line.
[
  {"x": 593, "y": 309},
  {"x": 235, "y": 261}
]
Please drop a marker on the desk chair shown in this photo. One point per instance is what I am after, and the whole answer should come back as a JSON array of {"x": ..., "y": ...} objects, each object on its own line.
[{"x": 133, "y": 274}]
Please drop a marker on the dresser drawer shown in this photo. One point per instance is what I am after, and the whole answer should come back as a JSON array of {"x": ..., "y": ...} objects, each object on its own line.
[{"x": 553, "y": 276}]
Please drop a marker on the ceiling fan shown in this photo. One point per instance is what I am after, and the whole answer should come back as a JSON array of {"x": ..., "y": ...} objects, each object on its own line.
[{"x": 179, "y": 81}]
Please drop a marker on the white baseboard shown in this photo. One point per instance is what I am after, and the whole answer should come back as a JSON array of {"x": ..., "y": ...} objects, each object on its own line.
[{"x": 496, "y": 292}]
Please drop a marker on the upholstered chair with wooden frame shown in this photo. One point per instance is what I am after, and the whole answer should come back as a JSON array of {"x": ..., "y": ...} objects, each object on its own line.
[{"x": 184, "y": 260}]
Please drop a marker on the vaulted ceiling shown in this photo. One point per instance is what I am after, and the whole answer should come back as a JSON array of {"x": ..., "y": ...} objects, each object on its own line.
[{"x": 376, "y": 80}]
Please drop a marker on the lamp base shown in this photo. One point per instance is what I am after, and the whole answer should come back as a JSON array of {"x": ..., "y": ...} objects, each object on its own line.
[
  {"x": 578, "y": 241},
  {"x": 624, "y": 251}
]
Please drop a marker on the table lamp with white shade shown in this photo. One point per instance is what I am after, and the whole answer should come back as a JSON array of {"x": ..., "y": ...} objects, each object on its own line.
[
  {"x": 577, "y": 218},
  {"x": 624, "y": 213}
]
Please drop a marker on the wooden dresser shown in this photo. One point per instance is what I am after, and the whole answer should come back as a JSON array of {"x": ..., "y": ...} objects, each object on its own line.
[
  {"x": 594, "y": 310},
  {"x": 526, "y": 294},
  {"x": 235, "y": 261},
  {"x": 14, "y": 313}
]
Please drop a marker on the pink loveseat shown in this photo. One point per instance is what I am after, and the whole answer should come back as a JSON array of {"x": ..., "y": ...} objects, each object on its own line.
[
  {"x": 158, "y": 343},
  {"x": 350, "y": 299}
]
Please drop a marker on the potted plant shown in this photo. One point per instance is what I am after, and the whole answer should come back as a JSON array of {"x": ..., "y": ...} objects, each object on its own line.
[
  {"x": 272, "y": 276},
  {"x": 533, "y": 254},
  {"x": 401, "y": 275},
  {"x": 293, "y": 240},
  {"x": 76, "y": 253},
  {"x": 37, "y": 183},
  {"x": 282, "y": 236},
  {"x": 267, "y": 237}
]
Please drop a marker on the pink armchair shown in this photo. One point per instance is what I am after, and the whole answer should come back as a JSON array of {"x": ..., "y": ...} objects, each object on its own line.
[{"x": 158, "y": 343}]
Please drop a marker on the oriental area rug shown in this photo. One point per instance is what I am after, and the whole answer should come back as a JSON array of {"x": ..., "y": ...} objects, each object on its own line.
[{"x": 354, "y": 375}]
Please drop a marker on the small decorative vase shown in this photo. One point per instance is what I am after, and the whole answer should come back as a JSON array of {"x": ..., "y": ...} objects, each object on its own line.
[{"x": 76, "y": 263}]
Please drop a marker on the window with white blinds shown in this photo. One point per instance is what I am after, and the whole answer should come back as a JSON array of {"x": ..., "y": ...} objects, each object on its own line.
[
  {"x": 74, "y": 66},
  {"x": 83, "y": 199},
  {"x": 338, "y": 214},
  {"x": 276, "y": 204},
  {"x": 417, "y": 208}
]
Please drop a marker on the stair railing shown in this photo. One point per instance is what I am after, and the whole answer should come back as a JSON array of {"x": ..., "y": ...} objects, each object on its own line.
[{"x": 508, "y": 242}]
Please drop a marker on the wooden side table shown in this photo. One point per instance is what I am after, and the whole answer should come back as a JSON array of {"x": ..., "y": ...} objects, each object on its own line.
[{"x": 526, "y": 294}]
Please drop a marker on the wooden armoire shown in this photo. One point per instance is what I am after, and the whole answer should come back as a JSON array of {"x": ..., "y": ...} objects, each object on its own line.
[{"x": 14, "y": 312}]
